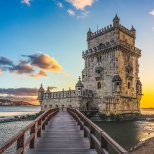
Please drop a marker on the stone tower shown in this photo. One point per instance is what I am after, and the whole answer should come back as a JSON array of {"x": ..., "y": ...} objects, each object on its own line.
[{"x": 111, "y": 69}]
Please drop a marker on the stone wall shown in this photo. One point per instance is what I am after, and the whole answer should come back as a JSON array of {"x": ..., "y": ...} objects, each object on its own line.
[{"x": 61, "y": 102}]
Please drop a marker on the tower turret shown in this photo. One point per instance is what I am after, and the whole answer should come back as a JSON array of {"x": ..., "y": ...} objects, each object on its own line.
[
  {"x": 40, "y": 94},
  {"x": 79, "y": 88},
  {"x": 133, "y": 31},
  {"x": 116, "y": 21},
  {"x": 89, "y": 34}
]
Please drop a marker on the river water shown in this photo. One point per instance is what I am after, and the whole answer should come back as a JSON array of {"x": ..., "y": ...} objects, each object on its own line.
[{"x": 127, "y": 134}]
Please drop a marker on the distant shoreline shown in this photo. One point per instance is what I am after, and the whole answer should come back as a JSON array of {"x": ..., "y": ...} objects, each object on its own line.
[
  {"x": 20, "y": 105},
  {"x": 148, "y": 108}
]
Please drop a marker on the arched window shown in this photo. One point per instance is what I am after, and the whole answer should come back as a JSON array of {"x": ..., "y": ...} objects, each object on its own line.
[{"x": 98, "y": 85}]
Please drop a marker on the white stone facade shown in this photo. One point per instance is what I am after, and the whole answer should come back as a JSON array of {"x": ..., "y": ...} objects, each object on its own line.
[{"x": 110, "y": 81}]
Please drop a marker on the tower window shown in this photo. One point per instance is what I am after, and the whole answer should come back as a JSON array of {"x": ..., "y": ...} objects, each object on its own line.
[
  {"x": 128, "y": 85},
  {"x": 98, "y": 85},
  {"x": 99, "y": 58}
]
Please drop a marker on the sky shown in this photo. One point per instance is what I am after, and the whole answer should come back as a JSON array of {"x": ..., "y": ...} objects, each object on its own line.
[{"x": 41, "y": 41}]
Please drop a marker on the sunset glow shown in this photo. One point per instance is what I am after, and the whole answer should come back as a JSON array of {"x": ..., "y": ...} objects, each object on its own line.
[{"x": 42, "y": 42}]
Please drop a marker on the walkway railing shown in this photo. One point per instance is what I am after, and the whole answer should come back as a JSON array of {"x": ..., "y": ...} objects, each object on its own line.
[
  {"x": 99, "y": 139},
  {"x": 35, "y": 129}
]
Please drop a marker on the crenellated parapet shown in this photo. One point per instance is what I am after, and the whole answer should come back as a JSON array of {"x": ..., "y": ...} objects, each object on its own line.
[
  {"x": 59, "y": 94},
  {"x": 127, "y": 31},
  {"x": 100, "y": 32},
  {"x": 112, "y": 45}
]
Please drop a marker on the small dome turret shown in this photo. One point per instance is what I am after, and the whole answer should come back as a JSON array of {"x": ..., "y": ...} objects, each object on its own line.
[
  {"x": 89, "y": 34},
  {"x": 41, "y": 88},
  {"x": 139, "y": 82},
  {"x": 116, "y": 78},
  {"x": 133, "y": 30},
  {"x": 79, "y": 84},
  {"x": 79, "y": 88},
  {"x": 116, "y": 21}
]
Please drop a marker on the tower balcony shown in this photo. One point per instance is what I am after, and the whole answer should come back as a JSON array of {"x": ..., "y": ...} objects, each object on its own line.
[{"x": 112, "y": 45}]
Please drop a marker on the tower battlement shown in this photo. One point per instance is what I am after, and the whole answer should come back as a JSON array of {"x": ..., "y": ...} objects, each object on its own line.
[
  {"x": 113, "y": 32},
  {"x": 111, "y": 45}
]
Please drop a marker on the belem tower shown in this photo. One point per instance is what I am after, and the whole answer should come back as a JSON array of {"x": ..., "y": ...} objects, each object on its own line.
[{"x": 110, "y": 81}]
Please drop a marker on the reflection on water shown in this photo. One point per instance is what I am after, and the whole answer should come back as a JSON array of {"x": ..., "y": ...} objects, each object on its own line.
[{"x": 128, "y": 133}]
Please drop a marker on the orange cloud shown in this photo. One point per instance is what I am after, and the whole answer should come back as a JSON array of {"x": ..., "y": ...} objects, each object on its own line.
[
  {"x": 39, "y": 74},
  {"x": 81, "y": 4},
  {"x": 45, "y": 62}
]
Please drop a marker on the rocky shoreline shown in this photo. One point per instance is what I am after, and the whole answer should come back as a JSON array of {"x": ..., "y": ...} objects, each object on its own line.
[{"x": 146, "y": 147}]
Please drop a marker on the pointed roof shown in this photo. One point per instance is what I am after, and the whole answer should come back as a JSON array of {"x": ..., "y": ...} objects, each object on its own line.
[
  {"x": 89, "y": 31},
  {"x": 133, "y": 29},
  {"x": 116, "y": 17}
]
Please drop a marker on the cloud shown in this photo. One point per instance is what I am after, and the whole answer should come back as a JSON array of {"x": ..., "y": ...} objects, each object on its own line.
[
  {"x": 83, "y": 14},
  {"x": 19, "y": 91},
  {"x": 29, "y": 64},
  {"x": 60, "y": 5},
  {"x": 81, "y": 4},
  {"x": 39, "y": 74},
  {"x": 44, "y": 62},
  {"x": 5, "y": 63},
  {"x": 26, "y": 2},
  {"x": 151, "y": 12},
  {"x": 70, "y": 12},
  {"x": 22, "y": 68}
]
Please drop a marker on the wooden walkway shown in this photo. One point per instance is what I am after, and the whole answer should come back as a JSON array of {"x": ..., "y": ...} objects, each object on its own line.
[{"x": 62, "y": 136}]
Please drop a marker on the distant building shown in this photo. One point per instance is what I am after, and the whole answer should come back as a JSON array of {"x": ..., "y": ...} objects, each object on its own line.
[{"x": 110, "y": 81}]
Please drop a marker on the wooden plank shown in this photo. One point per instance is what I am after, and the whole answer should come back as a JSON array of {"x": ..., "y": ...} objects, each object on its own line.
[{"x": 62, "y": 136}]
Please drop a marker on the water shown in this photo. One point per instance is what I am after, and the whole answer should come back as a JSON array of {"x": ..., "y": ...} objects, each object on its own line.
[{"x": 130, "y": 133}]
